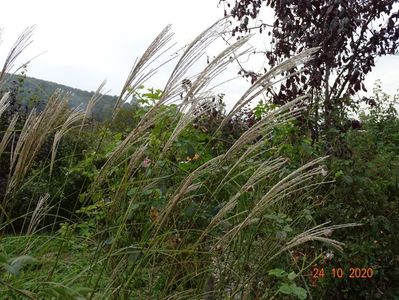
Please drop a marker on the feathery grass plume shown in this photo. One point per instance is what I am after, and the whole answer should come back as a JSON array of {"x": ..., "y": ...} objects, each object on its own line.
[
  {"x": 182, "y": 190},
  {"x": 186, "y": 119},
  {"x": 23, "y": 41},
  {"x": 280, "y": 190},
  {"x": 73, "y": 117},
  {"x": 40, "y": 211},
  {"x": 28, "y": 124},
  {"x": 4, "y": 103},
  {"x": 193, "y": 96},
  {"x": 173, "y": 87},
  {"x": 275, "y": 118},
  {"x": 92, "y": 102},
  {"x": 265, "y": 170},
  {"x": 8, "y": 133},
  {"x": 137, "y": 76},
  {"x": 317, "y": 233},
  {"x": 193, "y": 52},
  {"x": 215, "y": 67},
  {"x": 265, "y": 81},
  {"x": 263, "y": 129},
  {"x": 36, "y": 129}
]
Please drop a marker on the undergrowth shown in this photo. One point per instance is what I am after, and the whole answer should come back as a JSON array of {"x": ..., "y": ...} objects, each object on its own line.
[{"x": 180, "y": 201}]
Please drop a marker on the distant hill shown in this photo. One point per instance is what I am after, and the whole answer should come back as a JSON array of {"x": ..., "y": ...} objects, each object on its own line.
[{"x": 33, "y": 91}]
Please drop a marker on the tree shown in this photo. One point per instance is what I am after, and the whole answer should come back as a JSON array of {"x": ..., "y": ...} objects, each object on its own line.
[{"x": 350, "y": 34}]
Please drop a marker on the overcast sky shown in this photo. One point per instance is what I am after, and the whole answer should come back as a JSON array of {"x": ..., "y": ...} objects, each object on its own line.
[{"x": 88, "y": 41}]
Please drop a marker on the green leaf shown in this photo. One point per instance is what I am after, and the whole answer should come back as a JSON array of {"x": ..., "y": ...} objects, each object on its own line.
[
  {"x": 293, "y": 289},
  {"x": 16, "y": 264},
  {"x": 132, "y": 191},
  {"x": 347, "y": 179},
  {"x": 278, "y": 218},
  {"x": 339, "y": 174},
  {"x": 136, "y": 205},
  {"x": 281, "y": 235},
  {"x": 82, "y": 290},
  {"x": 292, "y": 275},
  {"x": 286, "y": 289},
  {"x": 277, "y": 273},
  {"x": 59, "y": 291},
  {"x": 300, "y": 293},
  {"x": 287, "y": 228}
]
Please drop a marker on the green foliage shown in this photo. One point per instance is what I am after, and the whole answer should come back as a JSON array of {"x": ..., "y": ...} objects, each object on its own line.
[
  {"x": 367, "y": 190},
  {"x": 147, "y": 97},
  {"x": 14, "y": 265},
  {"x": 287, "y": 285},
  {"x": 180, "y": 208},
  {"x": 33, "y": 92},
  {"x": 369, "y": 173}
]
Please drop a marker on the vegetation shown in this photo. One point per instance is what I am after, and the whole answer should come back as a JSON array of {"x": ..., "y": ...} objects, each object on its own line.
[
  {"x": 174, "y": 198},
  {"x": 350, "y": 34},
  {"x": 32, "y": 92}
]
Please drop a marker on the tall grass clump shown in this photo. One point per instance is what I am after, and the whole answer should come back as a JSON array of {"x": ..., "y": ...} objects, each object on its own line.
[{"x": 168, "y": 210}]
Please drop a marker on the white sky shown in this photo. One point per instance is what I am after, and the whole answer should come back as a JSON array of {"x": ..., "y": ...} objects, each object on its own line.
[{"x": 89, "y": 41}]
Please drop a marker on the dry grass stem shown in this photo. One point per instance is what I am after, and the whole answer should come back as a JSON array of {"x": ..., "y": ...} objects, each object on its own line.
[
  {"x": 193, "y": 52},
  {"x": 74, "y": 116},
  {"x": 23, "y": 41},
  {"x": 8, "y": 133},
  {"x": 40, "y": 211},
  {"x": 278, "y": 117},
  {"x": 137, "y": 76},
  {"x": 278, "y": 192},
  {"x": 265, "y": 81},
  {"x": 4, "y": 103},
  {"x": 92, "y": 102},
  {"x": 317, "y": 233},
  {"x": 184, "y": 187},
  {"x": 194, "y": 97},
  {"x": 36, "y": 129},
  {"x": 265, "y": 170}
]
